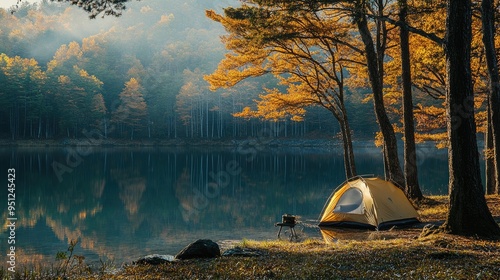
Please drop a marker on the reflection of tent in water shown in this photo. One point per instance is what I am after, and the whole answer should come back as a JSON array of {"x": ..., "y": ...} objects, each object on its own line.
[{"x": 368, "y": 203}]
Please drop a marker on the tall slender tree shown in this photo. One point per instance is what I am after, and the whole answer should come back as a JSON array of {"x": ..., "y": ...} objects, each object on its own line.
[
  {"x": 410, "y": 152},
  {"x": 374, "y": 52},
  {"x": 489, "y": 157},
  {"x": 132, "y": 111}
]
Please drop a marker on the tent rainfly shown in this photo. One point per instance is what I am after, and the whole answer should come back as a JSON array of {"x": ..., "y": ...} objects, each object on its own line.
[{"x": 368, "y": 203}]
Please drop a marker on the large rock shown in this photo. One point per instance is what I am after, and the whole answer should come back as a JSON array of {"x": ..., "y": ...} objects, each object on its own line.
[
  {"x": 202, "y": 248},
  {"x": 155, "y": 259}
]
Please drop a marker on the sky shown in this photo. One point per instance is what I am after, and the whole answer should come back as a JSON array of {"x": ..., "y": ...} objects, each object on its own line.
[{"x": 9, "y": 3}]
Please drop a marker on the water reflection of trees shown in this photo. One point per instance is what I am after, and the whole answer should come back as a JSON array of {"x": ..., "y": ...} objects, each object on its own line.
[
  {"x": 130, "y": 200},
  {"x": 131, "y": 187}
]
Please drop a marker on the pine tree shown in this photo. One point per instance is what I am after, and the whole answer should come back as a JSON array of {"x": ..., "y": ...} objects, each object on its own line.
[{"x": 132, "y": 111}]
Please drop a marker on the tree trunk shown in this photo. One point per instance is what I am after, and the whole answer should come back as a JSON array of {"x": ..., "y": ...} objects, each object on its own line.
[
  {"x": 348, "y": 140},
  {"x": 149, "y": 127},
  {"x": 213, "y": 125},
  {"x": 488, "y": 22},
  {"x": 25, "y": 115},
  {"x": 488, "y": 152},
  {"x": 410, "y": 153},
  {"x": 468, "y": 213},
  {"x": 105, "y": 128},
  {"x": 47, "y": 126},
  {"x": 349, "y": 163},
  {"x": 39, "y": 134},
  {"x": 206, "y": 119},
  {"x": 393, "y": 168}
]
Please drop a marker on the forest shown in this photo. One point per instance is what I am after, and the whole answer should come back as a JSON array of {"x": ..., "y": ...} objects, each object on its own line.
[{"x": 139, "y": 76}]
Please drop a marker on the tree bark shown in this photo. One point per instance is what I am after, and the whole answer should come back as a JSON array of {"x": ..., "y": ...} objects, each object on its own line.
[
  {"x": 350, "y": 149},
  {"x": 488, "y": 24},
  {"x": 349, "y": 163},
  {"x": 468, "y": 213},
  {"x": 489, "y": 158},
  {"x": 410, "y": 153},
  {"x": 393, "y": 168}
]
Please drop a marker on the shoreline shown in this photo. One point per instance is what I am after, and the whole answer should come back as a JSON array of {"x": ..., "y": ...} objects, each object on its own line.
[
  {"x": 171, "y": 142},
  {"x": 182, "y": 142},
  {"x": 406, "y": 253}
]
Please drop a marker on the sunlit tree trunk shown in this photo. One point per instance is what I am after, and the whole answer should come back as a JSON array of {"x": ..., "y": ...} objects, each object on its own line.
[
  {"x": 410, "y": 152},
  {"x": 468, "y": 213}
]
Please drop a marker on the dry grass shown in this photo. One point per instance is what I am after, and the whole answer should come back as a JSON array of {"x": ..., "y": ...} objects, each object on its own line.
[
  {"x": 440, "y": 256},
  {"x": 433, "y": 208},
  {"x": 385, "y": 255}
]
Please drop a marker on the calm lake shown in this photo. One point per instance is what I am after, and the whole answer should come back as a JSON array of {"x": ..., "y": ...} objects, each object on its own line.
[{"x": 124, "y": 203}]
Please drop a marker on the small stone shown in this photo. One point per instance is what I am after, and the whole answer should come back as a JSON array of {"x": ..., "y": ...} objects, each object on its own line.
[{"x": 155, "y": 259}]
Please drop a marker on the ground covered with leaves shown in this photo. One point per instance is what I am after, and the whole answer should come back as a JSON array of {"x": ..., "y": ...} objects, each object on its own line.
[{"x": 411, "y": 253}]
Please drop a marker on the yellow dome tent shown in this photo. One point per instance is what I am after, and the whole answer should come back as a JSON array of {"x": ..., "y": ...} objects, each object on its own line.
[{"x": 368, "y": 203}]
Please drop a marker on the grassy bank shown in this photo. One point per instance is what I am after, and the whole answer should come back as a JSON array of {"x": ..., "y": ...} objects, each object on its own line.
[{"x": 397, "y": 253}]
